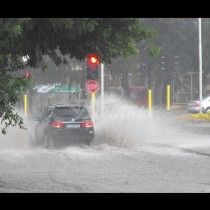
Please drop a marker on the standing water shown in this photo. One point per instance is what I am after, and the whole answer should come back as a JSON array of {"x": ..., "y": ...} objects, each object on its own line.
[{"x": 121, "y": 124}]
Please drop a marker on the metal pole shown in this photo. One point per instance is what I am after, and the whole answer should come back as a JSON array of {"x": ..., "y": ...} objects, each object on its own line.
[
  {"x": 102, "y": 87},
  {"x": 93, "y": 105},
  {"x": 200, "y": 64}
]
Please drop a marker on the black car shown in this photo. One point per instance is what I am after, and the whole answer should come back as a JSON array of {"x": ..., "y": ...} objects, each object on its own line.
[{"x": 59, "y": 123}]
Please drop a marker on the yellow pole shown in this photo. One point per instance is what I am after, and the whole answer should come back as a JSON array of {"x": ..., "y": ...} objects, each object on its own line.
[
  {"x": 168, "y": 97},
  {"x": 93, "y": 104},
  {"x": 150, "y": 101},
  {"x": 25, "y": 105}
]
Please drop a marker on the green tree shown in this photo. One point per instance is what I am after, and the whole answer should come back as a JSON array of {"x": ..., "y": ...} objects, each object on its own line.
[
  {"x": 75, "y": 37},
  {"x": 10, "y": 83}
]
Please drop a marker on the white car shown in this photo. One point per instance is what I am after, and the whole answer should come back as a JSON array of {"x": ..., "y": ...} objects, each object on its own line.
[{"x": 194, "y": 106}]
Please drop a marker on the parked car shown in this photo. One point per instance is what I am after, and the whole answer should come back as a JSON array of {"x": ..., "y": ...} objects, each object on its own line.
[
  {"x": 64, "y": 123},
  {"x": 194, "y": 106}
]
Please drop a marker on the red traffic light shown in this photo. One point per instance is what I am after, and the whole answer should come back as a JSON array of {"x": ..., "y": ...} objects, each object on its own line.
[
  {"x": 27, "y": 74},
  {"x": 92, "y": 60}
]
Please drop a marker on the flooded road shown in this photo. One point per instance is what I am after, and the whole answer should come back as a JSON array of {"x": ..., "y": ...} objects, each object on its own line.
[
  {"x": 131, "y": 154},
  {"x": 104, "y": 168}
]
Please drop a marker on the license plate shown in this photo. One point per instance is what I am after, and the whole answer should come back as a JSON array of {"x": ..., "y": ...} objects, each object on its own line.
[{"x": 73, "y": 125}]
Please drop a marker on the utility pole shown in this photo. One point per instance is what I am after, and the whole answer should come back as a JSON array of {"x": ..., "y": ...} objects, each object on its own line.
[{"x": 200, "y": 64}]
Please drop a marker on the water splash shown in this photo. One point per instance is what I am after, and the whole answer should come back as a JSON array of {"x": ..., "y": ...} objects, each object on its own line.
[
  {"x": 126, "y": 125},
  {"x": 17, "y": 138}
]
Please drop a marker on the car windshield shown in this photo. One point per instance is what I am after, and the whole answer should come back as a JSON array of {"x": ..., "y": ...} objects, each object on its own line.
[{"x": 71, "y": 112}]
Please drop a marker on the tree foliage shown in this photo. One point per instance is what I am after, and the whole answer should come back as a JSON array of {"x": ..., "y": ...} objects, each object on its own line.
[
  {"x": 10, "y": 61},
  {"x": 75, "y": 37}
]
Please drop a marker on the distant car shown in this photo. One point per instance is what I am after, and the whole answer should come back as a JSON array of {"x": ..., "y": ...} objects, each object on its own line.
[
  {"x": 67, "y": 123},
  {"x": 194, "y": 106}
]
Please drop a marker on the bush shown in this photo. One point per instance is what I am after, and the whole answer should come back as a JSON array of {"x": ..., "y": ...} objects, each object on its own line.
[{"x": 198, "y": 117}]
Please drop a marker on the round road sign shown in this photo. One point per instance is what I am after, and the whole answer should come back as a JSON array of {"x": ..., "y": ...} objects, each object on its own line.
[{"x": 92, "y": 86}]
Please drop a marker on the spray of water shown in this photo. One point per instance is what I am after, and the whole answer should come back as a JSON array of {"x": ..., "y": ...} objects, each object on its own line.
[
  {"x": 125, "y": 125},
  {"x": 17, "y": 138}
]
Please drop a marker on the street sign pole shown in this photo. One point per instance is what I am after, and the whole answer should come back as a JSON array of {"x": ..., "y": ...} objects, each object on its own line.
[
  {"x": 93, "y": 106},
  {"x": 92, "y": 87}
]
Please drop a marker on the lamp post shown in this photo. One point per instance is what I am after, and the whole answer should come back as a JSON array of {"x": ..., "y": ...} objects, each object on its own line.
[{"x": 200, "y": 64}]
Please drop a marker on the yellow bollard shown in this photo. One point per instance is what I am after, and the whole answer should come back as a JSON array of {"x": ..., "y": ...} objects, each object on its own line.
[
  {"x": 25, "y": 105},
  {"x": 150, "y": 101},
  {"x": 168, "y": 98}
]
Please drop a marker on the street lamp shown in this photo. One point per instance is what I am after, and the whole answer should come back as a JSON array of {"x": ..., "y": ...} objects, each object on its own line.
[
  {"x": 200, "y": 64},
  {"x": 25, "y": 59}
]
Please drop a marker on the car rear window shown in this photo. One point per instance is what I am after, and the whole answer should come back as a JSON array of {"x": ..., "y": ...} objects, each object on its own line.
[{"x": 71, "y": 112}]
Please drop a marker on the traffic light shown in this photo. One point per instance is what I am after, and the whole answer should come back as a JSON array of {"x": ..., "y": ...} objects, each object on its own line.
[
  {"x": 27, "y": 74},
  {"x": 92, "y": 62}
]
